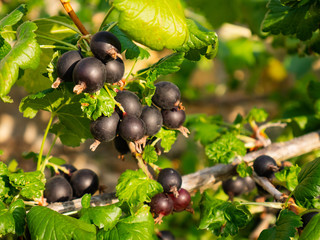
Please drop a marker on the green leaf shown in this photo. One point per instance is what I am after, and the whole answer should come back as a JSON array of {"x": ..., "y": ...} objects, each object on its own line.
[
  {"x": 97, "y": 104},
  {"x": 17, "y": 209},
  {"x": 168, "y": 137},
  {"x": 312, "y": 230},
  {"x": 225, "y": 149},
  {"x": 30, "y": 184},
  {"x": 149, "y": 154},
  {"x": 201, "y": 41},
  {"x": 85, "y": 200},
  {"x": 12, "y": 220},
  {"x": 300, "y": 20},
  {"x": 5, "y": 47},
  {"x": 24, "y": 54},
  {"x": 206, "y": 132},
  {"x": 135, "y": 187},
  {"x": 132, "y": 50},
  {"x": 221, "y": 217},
  {"x": 105, "y": 217},
  {"x": 285, "y": 227},
  {"x": 244, "y": 170},
  {"x": 46, "y": 224},
  {"x": 313, "y": 90},
  {"x": 289, "y": 177},
  {"x": 14, "y": 17},
  {"x": 4, "y": 181},
  {"x": 139, "y": 226},
  {"x": 257, "y": 115},
  {"x": 73, "y": 127},
  {"x": 158, "y": 24},
  {"x": 309, "y": 181},
  {"x": 166, "y": 65}
]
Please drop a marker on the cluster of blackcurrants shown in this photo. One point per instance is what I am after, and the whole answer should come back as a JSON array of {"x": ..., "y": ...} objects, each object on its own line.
[
  {"x": 135, "y": 123},
  {"x": 64, "y": 187},
  {"x": 91, "y": 73},
  {"x": 173, "y": 199},
  {"x": 264, "y": 166}
]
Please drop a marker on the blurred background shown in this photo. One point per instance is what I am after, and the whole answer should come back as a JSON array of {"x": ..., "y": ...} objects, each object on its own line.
[{"x": 250, "y": 70}]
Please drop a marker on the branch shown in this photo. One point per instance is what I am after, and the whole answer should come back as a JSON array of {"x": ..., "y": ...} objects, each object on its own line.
[
  {"x": 67, "y": 6},
  {"x": 206, "y": 177}
]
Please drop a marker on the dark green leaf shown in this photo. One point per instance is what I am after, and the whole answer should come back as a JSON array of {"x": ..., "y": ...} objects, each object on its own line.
[
  {"x": 289, "y": 177},
  {"x": 46, "y": 224},
  {"x": 221, "y": 217},
  {"x": 132, "y": 50},
  {"x": 201, "y": 41},
  {"x": 309, "y": 181},
  {"x": 5, "y": 47},
  {"x": 314, "y": 90},
  {"x": 312, "y": 230},
  {"x": 168, "y": 137},
  {"x": 97, "y": 104},
  {"x": 149, "y": 154},
  {"x": 14, "y": 17},
  {"x": 285, "y": 227},
  {"x": 225, "y": 148},
  {"x": 244, "y": 170},
  {"x": 17, "y": 209},
  {"x": 30, "y": 184},
  {"x": 135, "y": 187},
  {"x": 300, "y": 20},
  {"x": 12, "y": 220},
  {"x": 158, "y": 24},
  {"x": 139, "y": 226},
  {"x": 105, "y": 217},
  {"x": 24, "y": 54}
]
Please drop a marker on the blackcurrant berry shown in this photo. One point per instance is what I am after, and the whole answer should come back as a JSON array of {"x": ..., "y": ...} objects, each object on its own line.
[
  {"x": 166, "y": 235},
  {"x": 66, "y": 64},
  {"x": 173, "y": 118},
  {"x": 307, "y": 217},
  {"x": 130, "y": 103},
  {"x": 161, "y": 204},
  {"x": 181, "y": 202},
  {"x": 249, "y": 184},
  {"x": 104, "y": 128},
  {"x": 71, "y": 169},
  {"x": 167, "y": 95},
  {"x": 170, "y": 180},
  {"x": 265, "y": 166},
  {"x": 58, "y": 189},
  {"x": 89, "y": 74},
  {"x": 121, "y": 145},
  {"x": 84, "y": 181},
  {"x": 114, "y": 70},
  {"x": 153, "y": 119},
  {"x": 131, "y": 128},
  {"x": 105, "y": 45},
  {"x": 234, "y": 187}
]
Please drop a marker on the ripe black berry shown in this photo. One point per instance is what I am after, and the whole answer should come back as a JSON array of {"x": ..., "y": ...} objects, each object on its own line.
[
  {"x": 71, "y": 169},
  {"x": 161, "y": 204},
  {"x": 265, "y": 166},
  {"x": 65, "y": 66},
  {"x": 130, "y": 103},
  {"x": 170, "y": 180},
  {"x": 131, "y": 128},
  {"x": 153, "y": 119},
  {"x": 121, "y": 145},
  {"x": 167, "y": 95},
  {"x": 58, "y": 189},
  {"x": 307, "y": 217},
  {"x": 114, "y": 70},
  {"x": 181, "y": 202},
  {"x": 234, "y": 187},
  {"x": 84, "y": 181},
  {"x": 104, "y": 128},
  {"x": 105, "y": 45},
  {"x": 173, "y": 118},
  {"x": 89, "y": 74},
  {"x": 165, "y": 235},
  {"x": 249, "y": 184}
]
